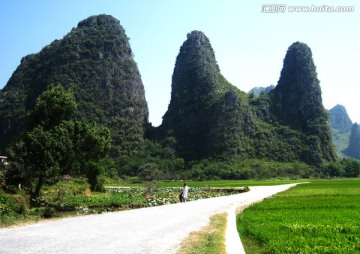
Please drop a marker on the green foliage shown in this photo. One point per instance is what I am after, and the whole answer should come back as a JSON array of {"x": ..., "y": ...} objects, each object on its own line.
[
  {"x": 93, "y": 171},
  {"x": 159, "y": 160},
  {"x": 95, "y": 61},
  {"x": 211, "y": 119},
  {"x": 343, "y": 168},
  {"x": 149, "y": 172},
  {"x": 208, "y": 118},
  {"x": 319, "y": 217},
  {"x": 249, "y": 169},
  {"x": 55, "y": 147},
  {"x": 35, "y": 160},
  {"x": 53, "y": 106}
]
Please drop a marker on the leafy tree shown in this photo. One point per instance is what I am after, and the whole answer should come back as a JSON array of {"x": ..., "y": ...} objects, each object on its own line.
[
  {"x": 36, "y": 160},
  {"x": 91, "y": 141},
  {"x": 149, "y": 172},
  {"x": 57, "y": 145},
  {"x": 351, "y": 167},
  {"x": 53, "y": 106},
  {"x": 93, "y": 171}
]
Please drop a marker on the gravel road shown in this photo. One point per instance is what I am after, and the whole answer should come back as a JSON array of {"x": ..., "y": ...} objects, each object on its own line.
[{"x": 149, "y": 230}]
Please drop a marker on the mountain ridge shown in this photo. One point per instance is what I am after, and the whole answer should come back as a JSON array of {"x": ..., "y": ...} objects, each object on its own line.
[
  {"x": 207, "y": 117},
  {"x": 237, "y": 125}
]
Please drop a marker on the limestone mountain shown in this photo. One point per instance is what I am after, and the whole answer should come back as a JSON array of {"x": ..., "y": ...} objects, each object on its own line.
[
  {"x": 297, "y": 101},
  {"x": 354, "y": 142},
  {"x": 207, "y": 115},
  {"x": 339, "y": 119},
  {"x": 94, "y": 60},
  {"x": 209, "y": 118},
  {"x": 341, "y": 126}
]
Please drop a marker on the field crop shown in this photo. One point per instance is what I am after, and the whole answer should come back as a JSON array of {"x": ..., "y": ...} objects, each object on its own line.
[{"x": 318, "y": 217}]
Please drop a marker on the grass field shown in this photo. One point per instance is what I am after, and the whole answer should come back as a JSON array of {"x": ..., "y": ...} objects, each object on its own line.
[{"x": 318, "y": 217}]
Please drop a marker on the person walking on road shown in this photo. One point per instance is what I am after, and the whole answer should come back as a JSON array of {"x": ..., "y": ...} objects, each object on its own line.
[{"x": 185, "y": 193}]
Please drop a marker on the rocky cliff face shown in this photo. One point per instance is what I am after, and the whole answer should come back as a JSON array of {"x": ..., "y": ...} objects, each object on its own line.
[
  {"x": 95, "y": 60},
  {"x": 297, "y": 95},
  {"x": 210, "y": 118},
  {"x": 204, "y": 114},
  {"x": 297, "y": 101},
  {"x": 354, "y": 142}
]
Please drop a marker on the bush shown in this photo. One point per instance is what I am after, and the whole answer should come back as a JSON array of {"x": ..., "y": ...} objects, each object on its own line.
[
  {"x": 351, "y": 167},
  {"x": 93, "y": 171},
  {"x": 47, "y": 212}
]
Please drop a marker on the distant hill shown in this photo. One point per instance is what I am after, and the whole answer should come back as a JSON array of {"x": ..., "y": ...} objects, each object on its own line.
[
  {"x": 210, "y": 118},
  {"x": 258, "y": 90},
  {"x": 354, "y": 142},
  {"x": 339, "y": 119},
  {"x": 341, "y": 125},
  {"x": 95, "y": 60}
]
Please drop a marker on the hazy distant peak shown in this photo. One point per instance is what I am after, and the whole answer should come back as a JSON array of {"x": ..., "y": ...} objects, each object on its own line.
[
  {"x": 258, "y": 89},
  {"x": 339, "y": 119}
]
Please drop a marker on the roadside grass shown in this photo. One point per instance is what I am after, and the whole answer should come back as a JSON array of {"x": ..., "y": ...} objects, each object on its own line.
[
  {"x": 209, "y": 240},
  {"x": 318, "y": 217}
]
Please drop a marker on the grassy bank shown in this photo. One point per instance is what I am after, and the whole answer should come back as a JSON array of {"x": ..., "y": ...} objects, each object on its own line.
[
  {"x": 210, "y": 239},
  {"x": 319, "y": 217}
]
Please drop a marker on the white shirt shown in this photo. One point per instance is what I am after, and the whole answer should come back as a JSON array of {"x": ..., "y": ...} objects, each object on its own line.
[{"x": 185, "y": 191}]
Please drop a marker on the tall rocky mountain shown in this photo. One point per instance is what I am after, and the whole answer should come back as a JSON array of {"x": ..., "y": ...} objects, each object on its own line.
[
  {"x": 207, "y": 115},
  {"x": 96, "y": 62},
  {"x": 354, "y": 142},
  {"x": 209, "y": 118},
  {"x": 341, "y": 126},
  {"x": 297, "y": 101}
]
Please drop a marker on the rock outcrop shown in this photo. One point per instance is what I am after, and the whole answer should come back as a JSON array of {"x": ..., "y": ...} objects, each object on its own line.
[
  {"x": 297, "y": 102},
  {"x": 95, "y": 60}
]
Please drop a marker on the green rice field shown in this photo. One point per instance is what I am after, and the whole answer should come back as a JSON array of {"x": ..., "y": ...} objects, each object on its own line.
[{"x": 317, "y": 217}]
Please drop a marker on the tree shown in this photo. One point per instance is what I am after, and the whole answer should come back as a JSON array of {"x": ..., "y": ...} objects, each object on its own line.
[
  {"x": 35, "y": 159},
  {"x": 93, "y": 171},
  {"x": 53, "y": 106},
  {"x": 351, "y": 167},
  {"x": 56, "y": 145}
]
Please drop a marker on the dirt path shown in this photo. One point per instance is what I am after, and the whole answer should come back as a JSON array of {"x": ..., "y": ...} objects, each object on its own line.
[{"x": 148, "y": 230}]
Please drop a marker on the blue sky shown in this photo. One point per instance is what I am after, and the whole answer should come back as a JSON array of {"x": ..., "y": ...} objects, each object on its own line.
[{"x": 249, "y": 44}]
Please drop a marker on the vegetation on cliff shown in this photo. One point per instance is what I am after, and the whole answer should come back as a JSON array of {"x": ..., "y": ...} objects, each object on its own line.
[
  {"x": 95, "y": 61},
  {"x": 211, "y": 129},
  {"x": 208, "y": 118}
]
